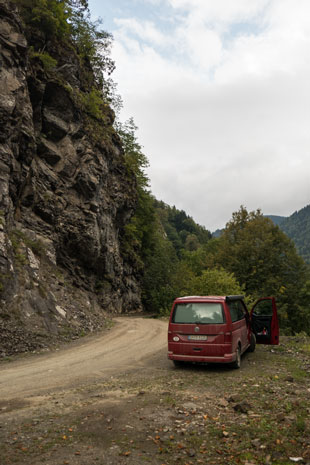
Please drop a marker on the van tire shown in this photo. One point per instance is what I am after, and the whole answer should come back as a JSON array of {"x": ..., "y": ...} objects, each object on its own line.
[
  {"x": 252, "y": 343},
  {"x": 237, "y": 363},
  {"x": 178, "y": 363}
]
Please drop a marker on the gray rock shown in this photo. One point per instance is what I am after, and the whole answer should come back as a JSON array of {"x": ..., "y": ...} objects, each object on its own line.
[
  {"x": 242, "y": 407},
  {"x": 48, "y": 151},
  {"x": 54, "y": 127}
]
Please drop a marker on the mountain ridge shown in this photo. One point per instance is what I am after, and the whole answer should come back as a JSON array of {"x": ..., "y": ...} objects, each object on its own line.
[{"x": 297, "y": 227}]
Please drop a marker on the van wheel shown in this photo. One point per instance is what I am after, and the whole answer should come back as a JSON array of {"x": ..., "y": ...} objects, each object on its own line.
[
  {"x": 237, "y": 362},
  {"x": 178, "y": 363},
  {"x": 252, "y": 343}
]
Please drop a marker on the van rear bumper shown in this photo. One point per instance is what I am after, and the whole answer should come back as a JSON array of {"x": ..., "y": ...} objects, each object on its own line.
[{"x": 226, "y": 358}]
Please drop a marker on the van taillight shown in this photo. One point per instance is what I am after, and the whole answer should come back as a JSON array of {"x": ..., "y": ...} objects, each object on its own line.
[{"x": 227, "y": 337}]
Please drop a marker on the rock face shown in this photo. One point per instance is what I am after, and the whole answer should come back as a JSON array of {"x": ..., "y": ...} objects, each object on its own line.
[{"x": 65, "y": 197}]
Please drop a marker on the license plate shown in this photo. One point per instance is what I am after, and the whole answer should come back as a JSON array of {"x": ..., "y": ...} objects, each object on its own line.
[{"x": 197, "y": 337}]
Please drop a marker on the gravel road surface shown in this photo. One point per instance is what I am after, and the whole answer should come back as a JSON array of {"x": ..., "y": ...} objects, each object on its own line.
[{"x": 128, "y": 345}]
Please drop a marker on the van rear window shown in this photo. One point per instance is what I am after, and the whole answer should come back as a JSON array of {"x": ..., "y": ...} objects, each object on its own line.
[{"x": 198, "y": 312}]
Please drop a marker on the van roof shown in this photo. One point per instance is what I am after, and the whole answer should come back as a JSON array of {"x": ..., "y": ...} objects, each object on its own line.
[{"x": 205, "y": 298}]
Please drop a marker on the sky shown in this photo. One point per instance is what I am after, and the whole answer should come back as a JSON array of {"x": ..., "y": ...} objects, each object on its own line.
[{"x": 220, "y": 92}]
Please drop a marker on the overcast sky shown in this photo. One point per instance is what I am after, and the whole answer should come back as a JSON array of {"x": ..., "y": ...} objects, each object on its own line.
[{"x": 220, "y": 91}]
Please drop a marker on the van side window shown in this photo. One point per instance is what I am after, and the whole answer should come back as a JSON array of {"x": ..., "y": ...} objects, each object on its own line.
[
  {"x": 242, "y": 308},
  {"x": 237, "y": 310}
]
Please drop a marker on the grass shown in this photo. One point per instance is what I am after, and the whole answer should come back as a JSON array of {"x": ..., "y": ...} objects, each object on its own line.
[
  {"x": 305, "y": 348},
  {"x": 19, "y": 241},
  {"x": 294, "y": 369}
]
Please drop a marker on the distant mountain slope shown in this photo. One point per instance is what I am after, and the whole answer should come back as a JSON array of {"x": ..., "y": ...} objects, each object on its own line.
[
  {"x": 181, "y": 230},
  {"x": 297, "y": 227},
  {"x": 217, "y": 233},
  {"x": 278, "y": 220}
]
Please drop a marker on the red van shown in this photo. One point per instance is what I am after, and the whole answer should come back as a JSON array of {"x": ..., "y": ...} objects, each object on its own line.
[{"x": 219, "y": 329}]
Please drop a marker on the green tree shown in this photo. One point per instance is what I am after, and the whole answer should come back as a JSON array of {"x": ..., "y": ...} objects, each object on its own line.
[
  {"x": 49, "y": 22},
  {"x": 181, "y": 229},
  {"x": 144, "y": 239},
  {"x": 215, "y": 281},
  {"x": 158, "y": 283},
  {"x": 264, "y": 261},
  {"x": 201, "y": 259},
  {"x": 136, "y": 160},
  {"x": 191, "y": 242},
  {"x": 138, "y": 234},
  {"x": 50, "y": 18},
  {"x": 93, "y": 45}
]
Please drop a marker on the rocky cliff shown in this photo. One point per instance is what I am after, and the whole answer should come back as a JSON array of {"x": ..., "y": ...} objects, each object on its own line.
[{"x": 65, "y": 196}]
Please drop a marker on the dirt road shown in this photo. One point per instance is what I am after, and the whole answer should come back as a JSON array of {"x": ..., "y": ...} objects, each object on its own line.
[{"x": 128, "y": 345}]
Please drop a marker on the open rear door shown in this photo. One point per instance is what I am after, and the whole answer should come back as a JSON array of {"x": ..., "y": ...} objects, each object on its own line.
[{"x": 264, "y": 321}]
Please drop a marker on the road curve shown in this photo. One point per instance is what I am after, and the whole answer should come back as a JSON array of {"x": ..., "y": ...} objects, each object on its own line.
[{"x": 125, "y": 346}]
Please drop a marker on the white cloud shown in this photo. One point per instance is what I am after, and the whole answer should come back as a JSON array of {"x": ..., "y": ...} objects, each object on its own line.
[
  {"x": 154, "y": 2},
  {"x": 202, "y": 45},
  {"x": 223, "y": 121},
  {"x": 144, "y": 30},
  {"x": 290, "y": 16},
  {"x": 224, "y": 11}
]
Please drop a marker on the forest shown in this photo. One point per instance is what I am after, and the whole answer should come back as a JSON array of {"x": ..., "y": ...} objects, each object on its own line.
[
  {"x": 170, "y": 253},
  {"x": 297, "y": 227}
]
